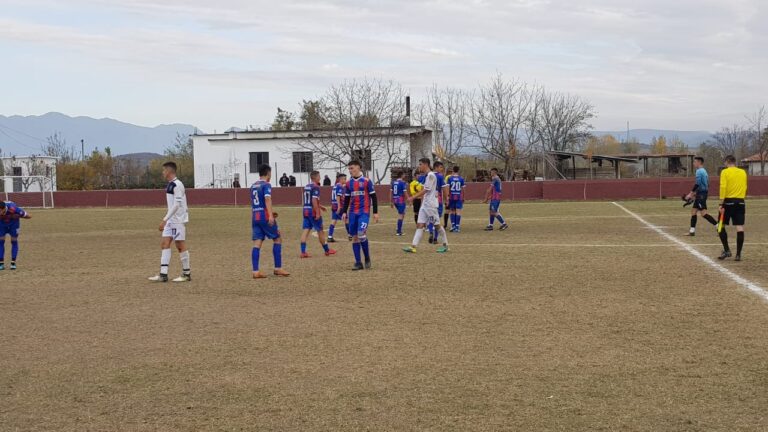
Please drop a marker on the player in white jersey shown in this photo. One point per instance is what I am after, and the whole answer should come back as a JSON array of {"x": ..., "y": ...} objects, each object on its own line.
[
  {"x": 174, "y": 227},
  {"x": 428, "y": 213}
]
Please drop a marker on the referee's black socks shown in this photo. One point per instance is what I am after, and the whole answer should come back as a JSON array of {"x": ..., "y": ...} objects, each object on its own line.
[
  {"x": 724, "y": 240},
  {"x": 739, "y": 242},
  {"x": 710, "y": 219},
  {"x": 693, "y": 221}
]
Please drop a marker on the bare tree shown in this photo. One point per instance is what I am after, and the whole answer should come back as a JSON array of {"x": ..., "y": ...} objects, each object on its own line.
[
  {"x": 757, "y": 121},
  {"x": 361, "y": 120},
  {"x": 57, "y": 146},
  {"x": 732, "y": 140},
  {"x": 445, "y": 111}
]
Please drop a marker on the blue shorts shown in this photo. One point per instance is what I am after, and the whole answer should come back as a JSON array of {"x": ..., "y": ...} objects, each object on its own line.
[
  {"x": 455, "y": 205},
  {"x": 10, "y": 228},
  {"x": 400, "y": 209},
  {"x": 335, "y": 216},
  {"x": 263, "y": 230},
  {"x": 358, "y": 225},
  {"x": 310, "y": 223},
  {"x": 494, "y": 207}
]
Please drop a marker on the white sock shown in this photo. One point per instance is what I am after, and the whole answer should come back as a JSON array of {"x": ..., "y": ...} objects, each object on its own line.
[
  {"x": 444, "y": 234},
  {"x": 184, "y": 261},
  {"x": 165, "y": 259},
  {"x": 417, "y": 237}
]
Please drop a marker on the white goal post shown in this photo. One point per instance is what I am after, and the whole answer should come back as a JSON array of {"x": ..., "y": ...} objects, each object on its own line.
[{"x": 28, "y": 191}]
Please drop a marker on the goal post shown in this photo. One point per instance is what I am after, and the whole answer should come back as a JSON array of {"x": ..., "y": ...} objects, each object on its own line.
[{"x": 28, "y": 191}]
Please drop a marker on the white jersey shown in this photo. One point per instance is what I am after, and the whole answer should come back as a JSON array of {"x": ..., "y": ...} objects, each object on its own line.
[
  {"x": 430, "y": 194},
  {"x": 177, "y": 202}
]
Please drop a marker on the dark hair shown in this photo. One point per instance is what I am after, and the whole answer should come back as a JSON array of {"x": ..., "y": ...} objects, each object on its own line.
[
  {"x": 171, "y": 165},
  {"x": 2, "y": 204},
  {"x": 730, "y": 159},
  {"x": 496, "y": 170},
  {"x": 455, "y": 168},
  {"x": 399, "y": 173},
  {"x": 426, "y": 161},
  {"x": 356, "y": 163},
  {"x": 314, "y": 173},
  {"x": 264, "y": 170},
  {"x": 437, "y": 164},
  {"x": 699, "y": 158},
  {"x": 340, "y": 175}
]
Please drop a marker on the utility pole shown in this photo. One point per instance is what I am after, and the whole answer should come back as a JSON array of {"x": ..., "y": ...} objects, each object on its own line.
[{"x": 82, "y": 159}]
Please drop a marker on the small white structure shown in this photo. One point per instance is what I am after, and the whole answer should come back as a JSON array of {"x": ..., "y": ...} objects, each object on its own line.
[
  {"x": 752, "y": 164},
  {"x": 220, "y": 159},
  {"x": 22, "y": 173}
]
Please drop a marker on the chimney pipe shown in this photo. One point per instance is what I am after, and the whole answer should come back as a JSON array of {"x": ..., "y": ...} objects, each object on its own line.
[{"x": 408, "y": 106}]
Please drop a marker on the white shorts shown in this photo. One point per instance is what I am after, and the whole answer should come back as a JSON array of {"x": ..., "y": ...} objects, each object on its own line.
[
  {"x": 428, "y": 215},
  {"x": 176, "y": 231}
]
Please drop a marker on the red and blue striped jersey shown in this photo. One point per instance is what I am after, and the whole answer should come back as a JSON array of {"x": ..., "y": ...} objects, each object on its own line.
[
  {"x": 259, "y": 192},
  {"x": 398, "y": 191},
  {"x": 337, "y": 197},
  {"x": 496, "y": 192},
  {"x": 12, "y": 211},
  {"x": 311, "y": 193},
  {"x": 456, "y": 187},
  {"x": 440, "y": 185},
  {"x": 359, "y": 191}
]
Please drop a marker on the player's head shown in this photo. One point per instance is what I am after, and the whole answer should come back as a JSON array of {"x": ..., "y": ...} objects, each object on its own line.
[
  {"x": 341, "y": 178},
  {"x": 169, "y": 170},
  {"x": 730, "y": 161},
  {"x": 399, "y": 174},
  {"x": 455, "y": 169},
  {"x": 698, "y": 162},
  {"x": 425, "y": 165},
  {"x": 265, "y": 172},
  {"x": 494, "y": 172},
  {"x": 439, "y": 167},
  {"x": 355, "y": 168},
  {"x": 314, "y": 176}
]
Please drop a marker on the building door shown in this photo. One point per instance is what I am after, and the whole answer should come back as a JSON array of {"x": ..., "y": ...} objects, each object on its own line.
[{"x": 17, "y": 179}]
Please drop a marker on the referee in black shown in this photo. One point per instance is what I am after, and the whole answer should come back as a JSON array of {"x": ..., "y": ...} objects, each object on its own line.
[{"x": 733, "y": 190}]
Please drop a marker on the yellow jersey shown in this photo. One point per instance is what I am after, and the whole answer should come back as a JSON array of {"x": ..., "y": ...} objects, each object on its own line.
[
  {"x": 733, "y": 183},
  {"x": 415, "y": 187}
]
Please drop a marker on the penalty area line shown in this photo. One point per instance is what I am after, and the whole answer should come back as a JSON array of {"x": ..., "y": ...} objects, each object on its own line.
[{"x": 755, "y": 288}]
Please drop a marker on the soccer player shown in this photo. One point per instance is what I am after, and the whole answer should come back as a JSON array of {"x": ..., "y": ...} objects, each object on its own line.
[
  {"x": 397, "y": 195},
  {"x": 733, "y": 190},
  {"x": 414, "y": 187},
  {"x": 337, "y": 199},
  {"x": 174, "y": 227},
  {"x": 10, "y": 225},
  {"x": 456, "y": 199},
  {"x": 494, "y": 195},
  {"x": 313, "y": 218},
  {"x": 359, "y": 200},
  {"x": 442, "y": 198},
  {"x": 263, "y": 223},
  {"x": 699, "y": 195},
  {"x": 428, "y": 212}
]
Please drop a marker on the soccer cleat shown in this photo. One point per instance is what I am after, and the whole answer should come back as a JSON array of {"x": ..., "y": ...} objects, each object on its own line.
[
  {"x": 183, "y": 278},
  {"x": 349, "y": 238},
  {"x": 259, "y": 275},
  {"x": 159, "y": 278},
  {"x": 489, "y": 228},
  {"x": 304, "y": 255},
  {"x": 13, "y": 265},
  {"x": 281, "y": 273},
  {"x": 503, "y": 227},
  {"x": 724, "y": 255},
  {"x": 409, "y": 249},
  {"x": 367, "y": 264},
  {"x": 399, "y": 234},
  {"x": 431, "y": 238},
  {"x": 331, "y": 240},
  {"x": 357, "y": 267},
  {"x": 443, "y": 249},
  {"x": 737, "y": 258},
  {"x": 330, "y": 252},
  {"x": 691, "y": 233}
]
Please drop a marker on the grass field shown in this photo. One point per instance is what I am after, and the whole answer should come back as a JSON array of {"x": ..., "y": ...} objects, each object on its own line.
[{"x": 579, "y": 317}]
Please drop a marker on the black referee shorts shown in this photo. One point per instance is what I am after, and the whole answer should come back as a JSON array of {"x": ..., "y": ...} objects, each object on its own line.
[{"x": 735, "y": 211}]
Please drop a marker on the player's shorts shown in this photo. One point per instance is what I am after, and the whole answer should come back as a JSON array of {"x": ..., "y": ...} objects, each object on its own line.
[
  {"x": 428, "y": 215},
  {"x": 455, "y": 205},
  {"x": 263, "y": 230},
  {"x": 12, "y": 228},
  {"x": 494, "y": 207},
  {"x": 335, "y": 216},
  {"x": 400, "y": 209},
  {"x": 310, "y": 223},
  {"x": 735, "y": 211},
  {"x": 176, "y": 231},
  {"x": 700, "y": 202},
  {"x": 358, "y": 225}
]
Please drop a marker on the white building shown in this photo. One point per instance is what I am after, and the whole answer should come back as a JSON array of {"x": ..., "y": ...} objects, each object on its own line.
[
  {"x": 22, "y": 173},
  {"x": 220, "y": 159}
]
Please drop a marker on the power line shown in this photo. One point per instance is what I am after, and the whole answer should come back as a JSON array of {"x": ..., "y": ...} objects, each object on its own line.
[
  {"x": 17, "y": 141},
  {"x": 23, "y": 133}
]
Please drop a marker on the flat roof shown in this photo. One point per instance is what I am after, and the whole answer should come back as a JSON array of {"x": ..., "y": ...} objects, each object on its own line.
[
  {"x": 299, "y": 134},
  {"x": 565, "y": 154}
]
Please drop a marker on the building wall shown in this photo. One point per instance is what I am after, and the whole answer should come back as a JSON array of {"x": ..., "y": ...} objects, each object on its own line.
[{"x": 23, "y": 163}]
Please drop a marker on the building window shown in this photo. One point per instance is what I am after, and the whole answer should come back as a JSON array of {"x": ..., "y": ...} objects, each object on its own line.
[
  {"x": 258, "y": 159},
  {"x": 363, "y": 156},
  {"x": 302, "y": 162}
]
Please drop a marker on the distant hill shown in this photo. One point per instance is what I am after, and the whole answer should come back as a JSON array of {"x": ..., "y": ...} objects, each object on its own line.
[
  {"x": 21, "y": 135},
  {"x": 140, "y": 159}
]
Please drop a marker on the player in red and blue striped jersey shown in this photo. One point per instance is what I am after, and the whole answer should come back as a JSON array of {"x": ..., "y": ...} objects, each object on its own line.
[
  {"x": 398, "y": 194},
  {"x": 337, "y": 202},
  {"x": 264, "y": 223},
  {"x": 456, "y": 198},
  {"x": 10, "y": 225},
  {"x": 313, "y": 217},
  {"x": 359, "y": 201},
  {"x": 493, "y": 194}
]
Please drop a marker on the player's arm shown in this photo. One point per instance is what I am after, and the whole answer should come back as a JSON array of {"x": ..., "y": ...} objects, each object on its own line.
[
  {"x": 23, "y": 214},
  {"x": 488, "y": 193},
  {"x": 316, "y": 207},
  {"x": 723, "y": 186},
  {"x": 391, "y": 197},
  {"x": 446, "y": 194},
  {"x": 268, "y": 206}
]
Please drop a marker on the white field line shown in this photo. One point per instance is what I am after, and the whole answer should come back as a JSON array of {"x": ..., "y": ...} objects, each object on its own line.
[{"x": 755, "y": 288}]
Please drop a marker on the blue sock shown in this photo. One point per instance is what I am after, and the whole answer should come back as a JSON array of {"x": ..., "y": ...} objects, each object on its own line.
[
  {"x": 453, "y": 220},
  {"x": 14, "y": 250},
  {"x": 2, "y": 250},
  {"x": 458, "y": 221},
  {"x": 303, "y": 247},
  {"x": 255, "y": 258},
  {"x": 277, "y": 253},
  {"x": 399, "y": 226},
  {"x": 330, "y": 230},
  {"x": 492, "y": 219},
  {"x": 367, "y": 254},
  {"x": 356, "y": 250},
  {"x": 325, "y": 247},
  {"x": 500, "y": 219},
  {"x": 431, "y": 229}
]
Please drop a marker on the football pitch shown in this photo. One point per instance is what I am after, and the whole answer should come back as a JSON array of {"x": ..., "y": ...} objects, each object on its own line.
[{"x": 579, "y": 317}]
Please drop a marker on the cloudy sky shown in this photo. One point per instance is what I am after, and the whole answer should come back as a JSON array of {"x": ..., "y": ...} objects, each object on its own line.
[{"x": 677, "y": 64}]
